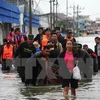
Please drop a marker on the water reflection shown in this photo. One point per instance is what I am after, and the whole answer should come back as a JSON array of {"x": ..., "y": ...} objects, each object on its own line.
[{"x": 11, "y": 88}]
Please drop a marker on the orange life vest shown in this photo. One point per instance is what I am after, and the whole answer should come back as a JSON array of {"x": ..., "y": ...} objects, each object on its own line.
[
  {"x": 7, "y": 52},
  {"x": 44, "y": 41},
  {"x": 21, "y": 39},
  {"x": 68, "y": 39}
]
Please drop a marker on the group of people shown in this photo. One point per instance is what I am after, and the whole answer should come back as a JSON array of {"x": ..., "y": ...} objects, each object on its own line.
[{"x": 48, "y": 44}]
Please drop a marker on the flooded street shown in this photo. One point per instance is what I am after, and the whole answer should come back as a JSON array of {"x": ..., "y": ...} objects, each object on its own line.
[{"x": 11, "y": 87}]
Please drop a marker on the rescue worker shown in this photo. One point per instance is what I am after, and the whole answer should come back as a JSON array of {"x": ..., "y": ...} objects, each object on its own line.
[
  {"x": 1, "y": 46},
  {"x": 7, "y": 54},
  {"x": 24, "y": 51},
  {"x": 69, "y": 36},
  {"x": 94, "y": 57},
  {"x": 4, "y": 41},
  {"x": 38, "y": 37},
  {"x": 43, "y": 55},
  {"x": 45, "y": 38},
  {"x": 60, "y": 37},
  {"x": 83, "y": 55},
  {"x": 55, "y": 42},
  {"x": 19, "y": 37},
  {"x": 97, "y": 50}
]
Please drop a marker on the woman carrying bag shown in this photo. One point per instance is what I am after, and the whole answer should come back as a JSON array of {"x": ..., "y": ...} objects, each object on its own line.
[{"x": 69, "y": 56}]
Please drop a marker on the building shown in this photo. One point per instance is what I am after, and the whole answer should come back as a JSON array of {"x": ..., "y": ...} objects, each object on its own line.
[
  {"x": 83, "y": 22},
  {"x": 95, "y": 26},
  {"x": 59, "y": 19},
  {"x": 9, "y": 14},
  {"x": 24, "y": 16}
]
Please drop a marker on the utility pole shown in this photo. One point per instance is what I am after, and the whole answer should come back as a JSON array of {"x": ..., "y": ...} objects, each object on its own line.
[
  {"x": 67, "y": 14},
  {"x": 77, "y": 20},
  {"x": 73, "y": 19},
  {"x": 56, "y": 11},
  {"x": 51, "y": 14},
  {"x": 30, "y": 18}
]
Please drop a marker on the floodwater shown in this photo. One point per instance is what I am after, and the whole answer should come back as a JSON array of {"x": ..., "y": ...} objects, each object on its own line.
[{"x": 11, "y": 87}]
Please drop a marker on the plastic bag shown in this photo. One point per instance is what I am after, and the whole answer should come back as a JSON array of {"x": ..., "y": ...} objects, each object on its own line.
[{"x": 76, "y": 73}]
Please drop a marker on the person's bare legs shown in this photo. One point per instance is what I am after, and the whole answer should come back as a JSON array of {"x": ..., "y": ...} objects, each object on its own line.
[
  {"x": 73, "y": 92},
  {"x": 66, "y": 89}
]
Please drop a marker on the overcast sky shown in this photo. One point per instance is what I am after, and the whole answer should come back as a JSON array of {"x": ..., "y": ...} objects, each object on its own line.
[{"x": 91, "y": 7}]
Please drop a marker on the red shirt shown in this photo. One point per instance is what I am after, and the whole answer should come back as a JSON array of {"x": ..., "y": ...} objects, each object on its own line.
[{"x": 69, "y": 59}]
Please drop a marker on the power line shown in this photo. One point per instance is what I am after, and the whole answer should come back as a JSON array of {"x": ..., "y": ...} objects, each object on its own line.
[{"x": 37, "y": 6}]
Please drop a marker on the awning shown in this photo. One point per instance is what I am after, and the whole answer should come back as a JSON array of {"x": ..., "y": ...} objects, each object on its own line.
[
  {"x": 9, "y": 13},
  {"x": 35, "y": 20}
]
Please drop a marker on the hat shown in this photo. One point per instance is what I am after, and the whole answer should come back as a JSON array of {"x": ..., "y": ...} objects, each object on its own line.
[
  {"x": 36, "y": 44},
  {"x": 79, "y": 46},
  {"x": 76, "y": 45},
  {"x": 69, "y": 31},
  {"x": 30, "y": 36}
]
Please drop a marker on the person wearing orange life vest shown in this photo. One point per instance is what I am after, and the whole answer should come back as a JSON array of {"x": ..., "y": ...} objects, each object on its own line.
[
  {"x": 7, "y": 53},
  {"x": 45, "y": 38},
  {"x": 19, "y": 37},
  {"x": 69, "y": 36}
]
